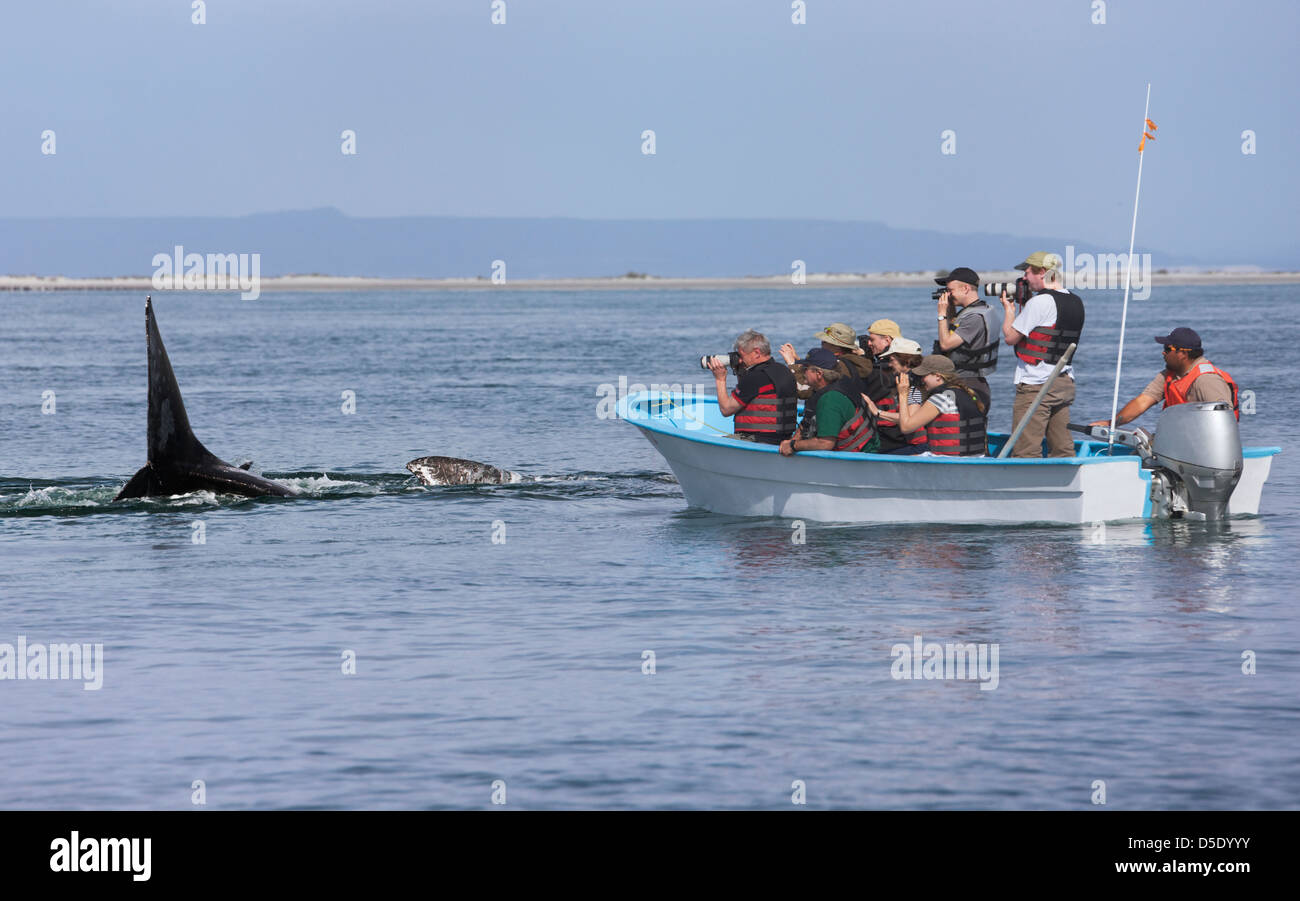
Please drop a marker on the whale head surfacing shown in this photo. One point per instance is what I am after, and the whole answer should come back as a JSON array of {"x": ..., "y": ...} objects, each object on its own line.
[{"x": 454, "y": 471}]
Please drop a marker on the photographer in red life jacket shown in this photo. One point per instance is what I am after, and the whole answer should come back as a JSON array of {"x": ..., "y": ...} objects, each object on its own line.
[
  {"x": 764, "y": 401},
  {"x": 1187, "y": 378},
  {"x": 1050, "y": 321}
]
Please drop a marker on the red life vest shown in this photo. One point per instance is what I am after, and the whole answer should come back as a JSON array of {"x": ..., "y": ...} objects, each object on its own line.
[
  {"x": 1176, "y": 387},
  {"x": 1047, "y": 343},
  {"x": 890, "y": 432},
  {"x": 961, "y": 433},
  {"x": 772, "y": 412},
  {"x": 855, "y": 434}
]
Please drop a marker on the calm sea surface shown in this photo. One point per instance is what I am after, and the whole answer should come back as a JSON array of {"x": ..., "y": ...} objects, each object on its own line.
[{"x": 522, "y": 660}]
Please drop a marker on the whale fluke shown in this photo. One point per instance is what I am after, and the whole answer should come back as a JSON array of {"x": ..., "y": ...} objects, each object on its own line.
[
  {"x": 178, "y": 463},
  {"x": 454, "y": 471}
]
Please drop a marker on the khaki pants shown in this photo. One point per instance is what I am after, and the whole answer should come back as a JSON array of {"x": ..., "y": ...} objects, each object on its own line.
[{"x": 1050, "y": 418}]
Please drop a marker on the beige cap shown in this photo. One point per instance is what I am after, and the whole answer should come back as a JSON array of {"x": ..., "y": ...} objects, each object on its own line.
[
  {"x": 903, "y": 346},
  {"x": 839, "y": 334},
  {"x": 886, "y": 327},
  {"x": 1041, "y": 260},
  {"x": 934, "y": 363}
]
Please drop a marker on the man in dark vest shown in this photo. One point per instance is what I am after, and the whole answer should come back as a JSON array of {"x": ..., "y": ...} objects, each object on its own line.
[
  {"x": 971, "y": 340},
  {"x": 764, "y": 402},
  {"x": 1050, "y": 321}
]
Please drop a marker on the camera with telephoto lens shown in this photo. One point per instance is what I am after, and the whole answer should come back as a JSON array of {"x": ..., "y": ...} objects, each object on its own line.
[
  {"x": 732, "y": 359},
  {"x": 1018, "y": 292}
]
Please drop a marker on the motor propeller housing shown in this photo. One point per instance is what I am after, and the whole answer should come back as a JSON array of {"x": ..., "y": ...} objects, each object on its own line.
[{"x": 1200, "y": 445}]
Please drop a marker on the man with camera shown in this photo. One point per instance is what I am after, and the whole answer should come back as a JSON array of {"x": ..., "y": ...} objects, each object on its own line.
[
  {"x": 764, "y": 401},
  {"x": 967, "y": 335},
  {"x": 834, "y": 417},
  {"x": 1049, "y": 322}
]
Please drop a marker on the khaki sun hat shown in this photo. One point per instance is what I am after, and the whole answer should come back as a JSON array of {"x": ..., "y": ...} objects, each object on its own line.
[{"x": 839, "y": 334}]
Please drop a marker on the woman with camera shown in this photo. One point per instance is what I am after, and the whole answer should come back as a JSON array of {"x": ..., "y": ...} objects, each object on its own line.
[
  {"x": 952, "y": 413},
  {"x": 900, "y": 357}
]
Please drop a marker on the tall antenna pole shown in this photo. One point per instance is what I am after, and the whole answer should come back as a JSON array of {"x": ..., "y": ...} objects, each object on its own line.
[{"x": 1128, "y": 273}]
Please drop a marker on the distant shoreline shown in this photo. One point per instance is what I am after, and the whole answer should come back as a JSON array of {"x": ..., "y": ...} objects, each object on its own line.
[{"x": 814, "y": 280}]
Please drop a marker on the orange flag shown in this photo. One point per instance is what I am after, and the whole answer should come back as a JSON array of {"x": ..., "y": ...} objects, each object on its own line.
[{"x": 1147, "y": 134}]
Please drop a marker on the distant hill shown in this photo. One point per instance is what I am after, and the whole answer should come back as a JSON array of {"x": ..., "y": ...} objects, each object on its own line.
[{"x": 328, "y": 242}]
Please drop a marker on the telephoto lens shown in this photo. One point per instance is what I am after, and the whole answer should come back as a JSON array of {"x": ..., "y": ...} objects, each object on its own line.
[
  {"x": 1018, "y": 290},
  {"x": 732, "y": 359}
]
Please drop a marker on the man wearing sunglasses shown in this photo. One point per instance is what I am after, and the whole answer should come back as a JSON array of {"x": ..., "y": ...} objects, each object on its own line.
[{"x": 1187, "y": 378}]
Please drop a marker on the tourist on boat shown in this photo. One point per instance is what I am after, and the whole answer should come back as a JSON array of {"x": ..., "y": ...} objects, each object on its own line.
[
  {"x": 971, "y": 339},
  {"x": 1049, "y": 322},
  {"x": 882, "y": 402},
  {"x": 879, "y": 335},
  {"x": 952, "y": 413},
  {"x": 763, "y": 401},
  {"x": 1187, "y": 378},
  {"x": 834, "y": 417},
  {"x": 851, "y": 362}
]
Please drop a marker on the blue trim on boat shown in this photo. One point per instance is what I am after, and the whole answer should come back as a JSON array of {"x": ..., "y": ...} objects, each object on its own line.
[{"x": 1086, "y": 450}]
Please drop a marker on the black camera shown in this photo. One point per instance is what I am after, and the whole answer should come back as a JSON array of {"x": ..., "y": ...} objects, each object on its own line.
[
  {"x": 1019, "y": 292},
  {"x": 732, "y": 359},
  {"x": 938, "y": 293}
]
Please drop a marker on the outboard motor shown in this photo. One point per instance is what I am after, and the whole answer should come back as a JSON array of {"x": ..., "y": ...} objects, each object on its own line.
[{"x": 1200, "y": 447}]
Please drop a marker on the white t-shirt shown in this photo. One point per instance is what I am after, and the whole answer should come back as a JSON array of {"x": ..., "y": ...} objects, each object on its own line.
[{"x": 1039, "y": 312}]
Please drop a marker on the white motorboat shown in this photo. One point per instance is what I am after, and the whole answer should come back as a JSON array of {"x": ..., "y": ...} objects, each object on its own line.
[{"x": 1196, "y": 473}]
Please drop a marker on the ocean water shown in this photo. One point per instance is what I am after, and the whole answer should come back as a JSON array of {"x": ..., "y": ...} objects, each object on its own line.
[{"x": 521, "y": 662}]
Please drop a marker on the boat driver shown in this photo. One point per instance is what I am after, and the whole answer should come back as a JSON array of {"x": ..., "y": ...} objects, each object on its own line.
[{"x": 1187, "y": 378}]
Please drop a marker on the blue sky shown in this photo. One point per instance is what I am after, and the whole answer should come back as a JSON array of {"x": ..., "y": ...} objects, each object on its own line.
[{"x": 840, "y": 118}]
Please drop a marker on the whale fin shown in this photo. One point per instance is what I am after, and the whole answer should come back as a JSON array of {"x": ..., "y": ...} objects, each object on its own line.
[
  {"x": 178, "y": 463},
  {"x": 455, "y": 471},
  {"x": 170, "y": 437}
]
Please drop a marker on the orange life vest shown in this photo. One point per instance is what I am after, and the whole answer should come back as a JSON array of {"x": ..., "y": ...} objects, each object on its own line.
[{"x": 1176, "y": 387}]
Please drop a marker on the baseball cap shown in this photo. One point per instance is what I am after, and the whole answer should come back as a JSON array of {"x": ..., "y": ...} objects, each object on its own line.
[
  {"x": 960, "y": 274},
  {"x": 886, "y": 327},
  {"x": 819, "y": 357},
  {"x": 934, "y": 363},
  {"x": 903, "y": 346},
  {"x": 1181, "y": 337},
  {"x": 1041, "y": 260}
]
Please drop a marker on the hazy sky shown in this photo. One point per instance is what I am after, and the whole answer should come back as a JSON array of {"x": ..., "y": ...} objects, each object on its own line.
[{"x": 754, "y": 116}]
